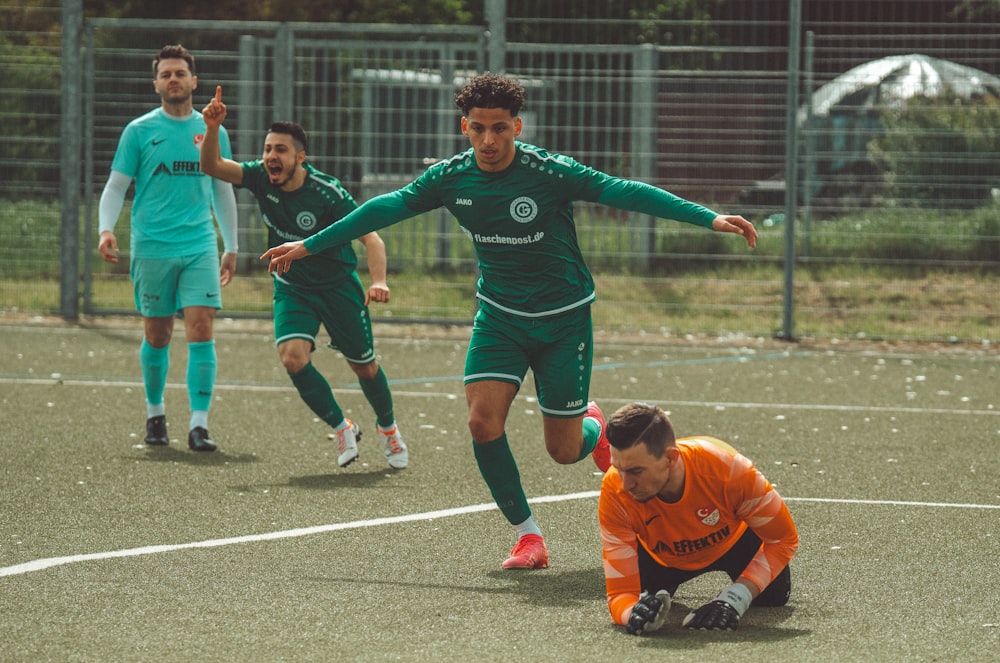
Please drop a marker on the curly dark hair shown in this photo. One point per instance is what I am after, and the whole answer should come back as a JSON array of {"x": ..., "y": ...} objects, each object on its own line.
[
  {"x": 636, "y": 423},
  {"x": 172, "y": 51},
  {"x": 489, "y": 90}
]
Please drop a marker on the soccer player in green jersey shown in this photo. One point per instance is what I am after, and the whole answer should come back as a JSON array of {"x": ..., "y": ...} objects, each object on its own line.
[
  {"x": 175, "y": 263},
  {"x": 515, "y": 202},
  {"x": 297, "y": 201}
]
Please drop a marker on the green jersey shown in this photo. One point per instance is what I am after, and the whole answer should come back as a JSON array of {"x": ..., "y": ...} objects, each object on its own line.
[
  {"x": 520, "y": 221},
  {"x": 293, "y": 215}
]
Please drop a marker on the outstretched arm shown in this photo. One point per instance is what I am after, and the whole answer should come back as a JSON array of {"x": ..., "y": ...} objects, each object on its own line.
[
  {"x": 640, "y": 197},
  {"x": 212, "y": 161},
  {"x": 375, "y": 214}
]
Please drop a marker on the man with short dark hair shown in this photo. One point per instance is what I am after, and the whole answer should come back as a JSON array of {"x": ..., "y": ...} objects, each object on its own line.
[
  {"x": 297, "y": 201},
  {"x": 175, "y": 263},
  {"x": 672, "y": 509},
  {"x": 515, "y": 202}
]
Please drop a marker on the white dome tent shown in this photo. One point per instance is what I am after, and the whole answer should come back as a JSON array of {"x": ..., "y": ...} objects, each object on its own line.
[
  {"x": 844, "y": 115},
  {"x": 891, "y": 81}
]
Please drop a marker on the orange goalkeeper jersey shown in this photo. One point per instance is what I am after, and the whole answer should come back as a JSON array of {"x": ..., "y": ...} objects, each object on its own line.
[{"x": 723, "y": 495}]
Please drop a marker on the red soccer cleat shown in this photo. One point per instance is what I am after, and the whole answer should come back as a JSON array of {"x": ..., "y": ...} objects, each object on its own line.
[{"x": 529, "y": 553}]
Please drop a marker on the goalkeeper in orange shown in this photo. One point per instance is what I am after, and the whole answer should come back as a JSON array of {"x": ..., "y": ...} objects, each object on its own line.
[{"x": 672, "y": 509}]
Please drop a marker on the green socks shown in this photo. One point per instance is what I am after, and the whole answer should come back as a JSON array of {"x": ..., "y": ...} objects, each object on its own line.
[{"x": 496, "y": 464}]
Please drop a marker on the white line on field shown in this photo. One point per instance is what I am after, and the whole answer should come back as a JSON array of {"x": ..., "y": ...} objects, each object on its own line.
[
  {"x": 42, "y": 564},
  {"x": 458, "y": 394}
]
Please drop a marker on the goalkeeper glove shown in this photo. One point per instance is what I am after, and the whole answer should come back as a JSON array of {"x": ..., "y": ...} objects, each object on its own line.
[
  {"x": 722, "y": 614},
  {"x": 649, "y": 613}
]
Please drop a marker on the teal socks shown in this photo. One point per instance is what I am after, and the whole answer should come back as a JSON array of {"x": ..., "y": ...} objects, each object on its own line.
[
  {"x": 201, "y": 371},
  {"x": 154, "y": 363}
]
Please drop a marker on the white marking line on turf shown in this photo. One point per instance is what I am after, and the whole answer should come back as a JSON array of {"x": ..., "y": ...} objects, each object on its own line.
[
  {"x": 42, "y": 564},
  {"x": 452, "y": 395},
  {"x": 951, "y": 505}
]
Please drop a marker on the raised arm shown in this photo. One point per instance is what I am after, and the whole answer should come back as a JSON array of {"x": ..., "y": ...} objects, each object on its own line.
[{"x": 212, "y": 161}]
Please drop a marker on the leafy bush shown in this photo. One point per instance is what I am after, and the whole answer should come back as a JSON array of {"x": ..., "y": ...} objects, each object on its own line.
[{"x": 944, "y": 150}]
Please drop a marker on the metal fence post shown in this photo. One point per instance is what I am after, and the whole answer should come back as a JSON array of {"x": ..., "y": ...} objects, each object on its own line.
[
  {"x": 284, "y": 72},
  {"x": 809, "y": 147},
  {"x": 496, "y": 24},
  {"x": 791, "y": 165},
  {"x": 249, "y": 122},
  {"x": 643, "y": 145},
  {"x": 90, "y": 233},
  {"x": 69, "y": 154}
]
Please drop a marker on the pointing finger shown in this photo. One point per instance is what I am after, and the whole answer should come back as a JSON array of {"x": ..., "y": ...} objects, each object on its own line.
[{"x": 218, "y": 93}]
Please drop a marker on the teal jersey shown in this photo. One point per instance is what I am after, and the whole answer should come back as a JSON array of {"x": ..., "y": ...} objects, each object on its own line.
[
  {"x": 172, "y": 207},
  {"x": 293, "y": 215},
  {"x": 520, "y": 221}
]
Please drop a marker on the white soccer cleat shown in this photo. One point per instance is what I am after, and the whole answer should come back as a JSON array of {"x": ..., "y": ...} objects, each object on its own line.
[
  {"x": 394, "y": 448},
  {"x": 347, "y": 443}
]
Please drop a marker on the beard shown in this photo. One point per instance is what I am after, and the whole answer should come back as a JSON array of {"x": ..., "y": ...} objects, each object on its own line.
[{"x": 282, "y": 177}]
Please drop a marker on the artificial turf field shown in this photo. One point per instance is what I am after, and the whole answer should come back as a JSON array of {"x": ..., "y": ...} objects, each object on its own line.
[{"x": 267, "y": 551}]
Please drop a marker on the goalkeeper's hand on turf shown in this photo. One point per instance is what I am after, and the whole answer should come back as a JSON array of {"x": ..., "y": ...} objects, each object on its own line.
[
  {"x": 649, "y": 613},
  {"x": 722, "y": 614}
]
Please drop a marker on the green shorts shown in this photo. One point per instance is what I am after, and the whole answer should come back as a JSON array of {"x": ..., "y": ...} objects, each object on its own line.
[
  {"x": 558, "y": 349},
  {"x": 298, "y": 314},
  {"x": 163, "y": 286}
]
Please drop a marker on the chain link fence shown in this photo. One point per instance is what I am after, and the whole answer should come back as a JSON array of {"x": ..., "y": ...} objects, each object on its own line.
[{"x": 889, "y": 136}]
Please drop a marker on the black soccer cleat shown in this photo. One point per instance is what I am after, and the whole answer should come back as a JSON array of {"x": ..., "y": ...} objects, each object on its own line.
[
  {"x": 156, "y": 431},
  {"x": 199, "y": 440}
]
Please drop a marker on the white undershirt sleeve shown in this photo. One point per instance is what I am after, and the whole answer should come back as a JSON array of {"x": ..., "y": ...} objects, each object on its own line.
[
  {"x": 225, "y": 214},
  {"x": 112, "y": 201}
]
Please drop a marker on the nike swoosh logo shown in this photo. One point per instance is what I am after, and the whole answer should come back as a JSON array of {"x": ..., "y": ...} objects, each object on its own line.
[
  {"x": 157, "y": 142},
  {"x": 210, "y": 294},
  {"x": 652, "y": 519}
]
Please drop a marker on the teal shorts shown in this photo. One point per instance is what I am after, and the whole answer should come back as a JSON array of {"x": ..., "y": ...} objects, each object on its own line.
[
  {"x": 341, "y": 310},
  {"x": 163, "y": 286},
  {"x": 558, "y": 349}
]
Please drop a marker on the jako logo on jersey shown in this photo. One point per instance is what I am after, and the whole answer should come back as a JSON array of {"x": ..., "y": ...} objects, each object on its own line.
[
  {"x": 523, "y": 209},
  {"x": 306, "y": 220},
  {"x": 709, "y": 516},
  {"x": 198, "y": 138},
  {"x": 464, "y": 202}
]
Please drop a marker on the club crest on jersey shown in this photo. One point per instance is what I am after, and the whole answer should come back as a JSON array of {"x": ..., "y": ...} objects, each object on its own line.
[
  {"x": 523, "y": 209},
  {"x": 305, "y": 220},
  {"x": 709, "y": 516}
]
